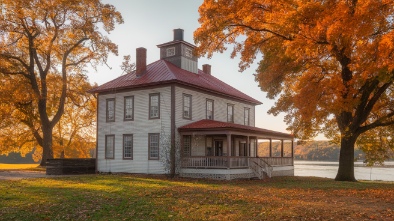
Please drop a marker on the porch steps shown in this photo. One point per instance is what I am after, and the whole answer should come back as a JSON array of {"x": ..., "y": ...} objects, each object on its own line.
[{"x": 261, "y": 168}]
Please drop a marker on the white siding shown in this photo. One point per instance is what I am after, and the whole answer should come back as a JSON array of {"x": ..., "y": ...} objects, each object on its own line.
[
  {"x": 140, "y": 127},
  {"x": 199, "y": 108},
  {"x": 199, "y": 113}
]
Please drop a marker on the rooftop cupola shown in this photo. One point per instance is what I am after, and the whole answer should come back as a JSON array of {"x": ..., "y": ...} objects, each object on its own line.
[{"x": 179, "y": 52}]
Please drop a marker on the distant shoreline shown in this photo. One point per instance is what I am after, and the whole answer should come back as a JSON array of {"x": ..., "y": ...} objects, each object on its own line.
[{"x": 387, "y": 164}]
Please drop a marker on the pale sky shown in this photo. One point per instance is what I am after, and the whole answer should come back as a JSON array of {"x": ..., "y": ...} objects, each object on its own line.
[{"x": 148, "y": 23}]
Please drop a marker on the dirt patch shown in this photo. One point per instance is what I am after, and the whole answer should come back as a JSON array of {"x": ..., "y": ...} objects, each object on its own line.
[{"x": 20, "y": 174}]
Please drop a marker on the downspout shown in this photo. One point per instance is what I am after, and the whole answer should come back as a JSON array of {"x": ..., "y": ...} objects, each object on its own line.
[
  {"x": 97, "y": 122},
  {"x": 173, "y": 148}
]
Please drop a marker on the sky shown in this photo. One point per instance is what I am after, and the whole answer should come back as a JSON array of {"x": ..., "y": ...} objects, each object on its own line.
[{"x": 149, "y": 23}]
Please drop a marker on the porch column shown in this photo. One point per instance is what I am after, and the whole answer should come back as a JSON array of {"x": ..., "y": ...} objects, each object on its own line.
[
  {"x": 229, "y": 145},
  {"x": 281, "y": 148},
  {"x": 256, "y": 144},
  {"x": 270, "y": 147},
  {"x": 247, "y": 147},
  {"x": 181, "y": 150},
  {"x": 255, "y": 147},
  {"x": 292, "y": 152}
]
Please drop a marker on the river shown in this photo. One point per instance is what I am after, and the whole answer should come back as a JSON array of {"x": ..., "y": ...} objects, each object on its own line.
[{"x": 330, "y": 169}]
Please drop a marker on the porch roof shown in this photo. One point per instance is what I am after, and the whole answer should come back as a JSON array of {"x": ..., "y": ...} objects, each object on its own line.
[{"x": 212, "y": 125}]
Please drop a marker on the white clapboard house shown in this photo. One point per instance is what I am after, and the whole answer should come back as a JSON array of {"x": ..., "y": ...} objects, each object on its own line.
[{"x": 170, "y": 102}]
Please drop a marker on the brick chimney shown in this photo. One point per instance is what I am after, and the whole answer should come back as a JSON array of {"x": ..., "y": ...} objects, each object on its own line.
[
  {"x": 141, "y": 61},
  {"x": 178, "y": 34},
  {"x": 206, "y": 68}
]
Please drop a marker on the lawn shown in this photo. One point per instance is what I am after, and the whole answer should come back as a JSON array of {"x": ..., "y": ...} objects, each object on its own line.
[
  {"x": 5, "y": 166},
  {"x": 139, "y": 197}
]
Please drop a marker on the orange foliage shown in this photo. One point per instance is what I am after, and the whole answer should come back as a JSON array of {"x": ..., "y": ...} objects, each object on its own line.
[
  {"x": 75, "y": 132},
  {"x": 329, "y": 63},
  {"x": 44, "y": 46}
]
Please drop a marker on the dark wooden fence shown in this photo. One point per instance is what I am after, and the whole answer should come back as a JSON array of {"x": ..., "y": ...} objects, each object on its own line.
[{"x": 70, "y": 166}]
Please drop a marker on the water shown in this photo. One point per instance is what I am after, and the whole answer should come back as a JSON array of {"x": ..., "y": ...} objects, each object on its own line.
[{"x": 330, "y": 169}]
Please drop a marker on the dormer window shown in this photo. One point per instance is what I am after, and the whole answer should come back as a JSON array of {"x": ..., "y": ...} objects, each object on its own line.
[
  {"x": 170, "y": 51},
  {"x": 188, "y": 52}
]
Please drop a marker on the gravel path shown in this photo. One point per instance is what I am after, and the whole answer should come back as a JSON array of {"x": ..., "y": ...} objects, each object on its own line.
[{"x": 20, "y": 174}]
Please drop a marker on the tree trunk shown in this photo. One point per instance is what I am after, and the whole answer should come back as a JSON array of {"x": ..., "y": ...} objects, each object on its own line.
[
  {"x": 346, "y": 159},
  {"x": 47, "y": 152}
]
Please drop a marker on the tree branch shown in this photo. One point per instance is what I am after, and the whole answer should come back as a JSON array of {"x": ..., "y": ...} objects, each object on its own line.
[
  {"x": 78, "y": 62},
  {"x": 361, "y": 114},
  {"x": 378, "y": 123},
  {"x": 262, "y": 30},
  {"x": 11, "y": 57},
  {"x": 374, "y": 99},
  {"x": 60, "y": 110}
]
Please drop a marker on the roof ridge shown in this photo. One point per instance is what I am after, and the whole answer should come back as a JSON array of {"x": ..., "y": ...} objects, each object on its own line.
[{"x": 169, "y": 69}]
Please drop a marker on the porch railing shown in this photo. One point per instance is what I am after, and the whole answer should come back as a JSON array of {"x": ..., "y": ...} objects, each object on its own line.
[
  {"x": 215, "y": 162},
  {"x": 231, "y": 162},
  {"x": 279, "y": 161}
]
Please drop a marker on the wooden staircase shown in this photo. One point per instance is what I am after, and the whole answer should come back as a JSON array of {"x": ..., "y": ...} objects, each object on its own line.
[{"x": 261, "y": 168}]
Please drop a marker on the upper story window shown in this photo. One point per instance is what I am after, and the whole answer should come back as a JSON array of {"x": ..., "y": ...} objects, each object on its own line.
[
  {"x": 246, "y": 116},
  {"x": 129, "y": 108},
  {"x": 154, "y": 146},
  {"x": 110, "y": 110},
  {"x": 230, "y": 113},
  {"x": 154, "y": 106},
  {"x": 170, "y": 51},
  {"x": 128, "y": 146},
  {"x": 109, "y": 146},
  {"x": 188, "y": 52},
  {"x": 187, "y": 106},
  {"x": 209, "y": 109}
]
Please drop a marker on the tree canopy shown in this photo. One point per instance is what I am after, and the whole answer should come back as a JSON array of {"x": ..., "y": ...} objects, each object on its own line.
[
  {"x": 73, "y": 135},
  {"x": 43, "y": 42},
  {"x": 328, "y": 63}
]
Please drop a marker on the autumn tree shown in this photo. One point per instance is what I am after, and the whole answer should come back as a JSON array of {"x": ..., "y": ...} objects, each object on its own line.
[
  {"x": 74, "y": 134},
  {"x": 378, "y": 145},
  {"x": 329, "y": 63},
  {"x": 44, "y": 38}
]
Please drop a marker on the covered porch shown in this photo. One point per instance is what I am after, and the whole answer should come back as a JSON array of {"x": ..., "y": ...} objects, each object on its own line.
[{"x": 221, "y": 150}]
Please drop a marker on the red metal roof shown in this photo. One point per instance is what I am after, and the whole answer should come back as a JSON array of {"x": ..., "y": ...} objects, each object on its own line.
[
  {"x": 162, "y": 72},
  {"x": 212, "y": 125}
]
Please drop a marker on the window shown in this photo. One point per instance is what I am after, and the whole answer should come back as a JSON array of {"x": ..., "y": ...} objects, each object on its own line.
[
  {"x": 154, "y": 106},
  {"x": 188, "y": 52},
  {"x": 154, "y": 146},
  {"x": 109, "y": 146},
  {"x": 110, "y": 110},
  {"x": 246, "y": 116},
  {"x": 230, "y": 113},
  {"x": 129, "y": 108},
  {"x": 209, "y": 109},
  {"x": 170, "y": 51},
  {"x": 187, "y": 143},
  {"x": 187, "y": 106},
  {"x": 128, "y": 146}
]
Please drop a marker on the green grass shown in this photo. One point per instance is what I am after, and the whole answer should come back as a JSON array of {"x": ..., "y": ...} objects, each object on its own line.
[{"x": 138, "y": 197}]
